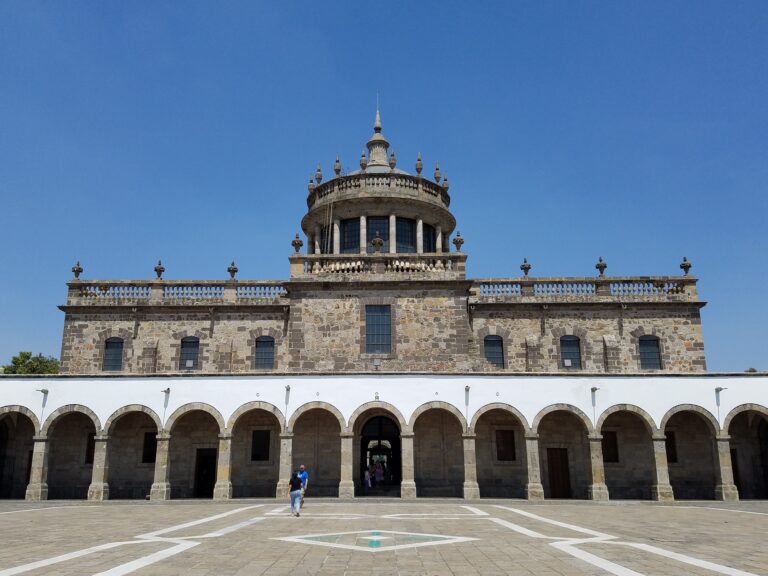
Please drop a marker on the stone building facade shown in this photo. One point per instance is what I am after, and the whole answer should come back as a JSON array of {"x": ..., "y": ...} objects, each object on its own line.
[{"x": 379, "y": 350}]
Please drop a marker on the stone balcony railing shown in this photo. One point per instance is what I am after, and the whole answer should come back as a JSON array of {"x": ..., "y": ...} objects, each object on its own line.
[
  {"x": 601, "y": 289},
  {"x": 173, "y": 292},
  {"x": 375, "y": 184},
  {"x": 433, "y": 266}
]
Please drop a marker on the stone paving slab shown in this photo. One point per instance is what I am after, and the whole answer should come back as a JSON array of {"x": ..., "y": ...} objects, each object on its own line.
[{"x": 372, "y": 538}]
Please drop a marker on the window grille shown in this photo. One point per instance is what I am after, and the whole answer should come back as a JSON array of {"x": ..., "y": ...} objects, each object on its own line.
[
  {"x": 350, "y": 236},
  {"x": 378, "y": 224},
  {"x": 406, "y": 236},
  {"x": 650, "y": 354},
  {"x": 378, "y": 329},
  {"x": 265, "y": 353},
  {"x": 494, "y": 350},
  {"x": 190, "y": 349},
  {"x": 570, "y": 352}
]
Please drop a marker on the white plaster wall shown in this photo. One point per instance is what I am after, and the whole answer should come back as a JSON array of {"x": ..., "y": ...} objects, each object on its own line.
[{"x": 529, "y": 395}]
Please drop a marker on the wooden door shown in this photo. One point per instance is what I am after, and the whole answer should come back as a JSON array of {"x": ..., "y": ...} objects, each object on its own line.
[{"x": 559, "y": 476}]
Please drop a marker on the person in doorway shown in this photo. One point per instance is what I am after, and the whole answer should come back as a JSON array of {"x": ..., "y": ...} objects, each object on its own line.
[
  {"x": 366, "y": 482},
  {"x": 379, "y": 472},
  {"x": 304, "y": 477},
  {"x": 294, "y": 488}
]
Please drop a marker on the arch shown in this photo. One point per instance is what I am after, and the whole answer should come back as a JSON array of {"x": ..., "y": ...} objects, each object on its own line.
[
  {"x": 642, "y": 414},
  {"x": 564, "y": 408},
  {"x": 317, "y": 405},
  {"x": 255, "y": 405},
  {"x": 120, "y": 412},
  {"x": 762, "y": 410},
  {"x": 67, "y": 409},
  {"x": 191, "y": 407},
  {"x": 21, "y": 410},
  {"x": 499, "y": 406},
  {"x": 380, "y": 405},
  {"x": 440, "y": 405},
  {"x": 703, "y": 412}
]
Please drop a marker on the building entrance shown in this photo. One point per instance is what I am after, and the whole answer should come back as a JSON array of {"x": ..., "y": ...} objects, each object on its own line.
[
  {"x": 205, "y": 472},
  {"x": 380, "y": 455}
]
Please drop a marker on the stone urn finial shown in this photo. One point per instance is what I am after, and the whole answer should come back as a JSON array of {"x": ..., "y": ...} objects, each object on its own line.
[
  {"x": 419, "y": 165},
  {"x": 458, "y": 241},
  {"x": 232, "y": 269},
  {"x": 159, "y": 269},
  {"x": 337, "y": 166},
  {"x": 445, "y": 182},
  {"x": 437, "y": 172},
  {"x": 363, "y": 161},
  {"x": 297, "y": 243},
  {"x": 685, "y": 266},
  {"x": 318, "y": 174},
  {"x": 77, "y": 270},
  {"x": 377, "y": 242},
  {"x": 601, "y": 265},
  {"x": 392, "y": 160},
  {"x": 525, "y": 267},
  {"x": 311, "y": 185}
]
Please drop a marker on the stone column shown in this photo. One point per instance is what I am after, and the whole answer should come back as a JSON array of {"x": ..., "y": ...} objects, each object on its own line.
[
  {"x": 318, "y": 239},
  {"x": 661, "y": 489},
  {"x": 223, "y": 488},
  {"x": 347, "y": 484},
  {"x": 725, "y": 489},
  {"x": 37, "y": 489},
  {"x": 597, "y": 490},
  {"x": 408, "y": 484},
  {"x": 392, "y": 233},
  {"x": 161, "y": 488},
  {"x": 286, "y": 461},
  {"x": 471, "y": 487},
  {"x": 99, "y": 488},
  {"x": 533, "y": 489},
  {"x": 363, "y": 235},
  {"x": 419, "y": 236},
  {"x": 439, "y": 239},
  {"x": 336, "y": 236}
]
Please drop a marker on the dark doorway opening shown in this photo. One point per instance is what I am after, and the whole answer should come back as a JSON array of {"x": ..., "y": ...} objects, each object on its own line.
[
  {"x": 5, "y": 488},
  {"x": 205, "y": 472},
  {"x": 559, "y": 475},
  {"x": 762, "y": 438},
  {"x": 380, "y": 455}
]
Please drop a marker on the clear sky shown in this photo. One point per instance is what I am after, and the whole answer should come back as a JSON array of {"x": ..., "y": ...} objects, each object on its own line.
[{"x": 187, "y": 131}]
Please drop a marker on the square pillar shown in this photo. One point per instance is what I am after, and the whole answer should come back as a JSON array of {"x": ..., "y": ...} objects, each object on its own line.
[
  {"x": 661, "y": 489},
  {"x": 286, "y": 460},
  {"x": 318, "y": 239},
  {"x": 347, "y": 483},
  {"x": 222, "y": 490},
  {"x": 471, "y": 487},
  {"x": 99, "y": 488},
  {"x": 533, "y": 489},
  {"x": 419, "y": 236},
  {"x": 439, "y": 239},
  {"x": 408, "y": 483},
  {"x": 37, "y": 489},
  {"x": 161, "y": 488},
  {"x": 392, "y": 234},
  {"x": 597, "y": 489},
  {"x": 363, "y": 235},
  {"x": 336, "y": 236},
  {"x": 725, "y": 489}
]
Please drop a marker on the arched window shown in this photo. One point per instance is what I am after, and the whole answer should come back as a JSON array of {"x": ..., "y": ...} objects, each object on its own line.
[
  {"x": 265, "y": 353},
  {"x": 494, "y": 350},
  {"x": 190, "y": 350},
  {"x": 650, "y": 353},
  {"x": 113, "y": 355},
  {"x": 570, "y": 352}
]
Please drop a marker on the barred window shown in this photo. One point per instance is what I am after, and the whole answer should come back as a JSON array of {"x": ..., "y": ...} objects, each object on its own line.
[
  {"x": 378, "y": 329},
  {"x": 190, "y": 350},
  {"x": 650, "y": 354},
  {"x": 113, "y": 355},
  {"x": 570, "y": 352},
  {"x": 406, "y": 236},
  {"x": 350, "y": 236},
  {"x": 610, "y": 444},
  {"x": 265, "y": 353},
  {"x": 430, "y": 238},
  {"x": 505, "y": 445},
  {"x": 260, "y": 446},
  {"x": 494, "y": 350},
  {"x": 378, "y": 224}
]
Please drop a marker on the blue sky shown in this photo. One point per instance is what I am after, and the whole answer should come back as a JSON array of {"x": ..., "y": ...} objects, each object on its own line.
[{"x": 187, "y": 131}]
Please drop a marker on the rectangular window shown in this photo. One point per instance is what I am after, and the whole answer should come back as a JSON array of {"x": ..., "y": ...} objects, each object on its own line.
[
  {"x": 381, "y": 225},
  {"x": 378, "y": 329},
  {"x": 650, "y": 356},
  {"x": 570, "y": 352},
  {"x": 113, "y": 355},
  {"x": 190, "y": 348},
  {"x": 494, "y": 350},
  {"x": 326, "y": 240},
  {"x": 90, "y": 447},
  {"x": 406, "y": 236},
  {"x": 610, "y": 446},
  {"x": 671, "y": 445},
  {"x": 265, "y": 353},
  {"x": 505, "y": 445},
  {"x": 149, "y": 448},
  {"x": 260, "y": 446},
  {"x": 350, "y": 236},
  {"x": 430, "y": 239}
]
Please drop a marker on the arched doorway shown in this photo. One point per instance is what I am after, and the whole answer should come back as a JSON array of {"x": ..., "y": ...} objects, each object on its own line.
[
  {"x": 691, "y": 456},
  {"x": 749, "y": 454},
  {"x": 72, "y": 439},
  {"x": 255, "y": 454},
  {"x": 131, "y": 450},
  {"x": 379, "y": 451},
  {"x": 193, "y": 455},
  {"x": 628, "y": 459},
  {"x": 438, "y": 454},
  {"x": 564, "y": 455},
  {"x": 501, "y": 460},
  {"x": 16, "y": 432},
  {"x": 317, "y": 445}
]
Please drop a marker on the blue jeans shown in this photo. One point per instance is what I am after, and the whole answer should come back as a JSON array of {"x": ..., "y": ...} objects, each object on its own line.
[{"x": 295, "y": 501}]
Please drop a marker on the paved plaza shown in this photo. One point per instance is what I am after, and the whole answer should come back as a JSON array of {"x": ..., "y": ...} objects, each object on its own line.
[{"x": 366, "y": 538}]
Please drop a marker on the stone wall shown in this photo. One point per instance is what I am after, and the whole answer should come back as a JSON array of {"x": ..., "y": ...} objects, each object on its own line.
[
  {"x": 634, "y": 474},
  {"x": 193, "y": 431},
  {"x": 69, "y": 473},
  {"x": 438, "y": 454},
  {"x": 563, "y": 430},
  {"x": 317, "y": 445},
  {"x": 693, "y": 475},
  {"x": 500, "y": 479},
  {"x": 128, "y": 476},
  {"x": 255, "y": 478}
]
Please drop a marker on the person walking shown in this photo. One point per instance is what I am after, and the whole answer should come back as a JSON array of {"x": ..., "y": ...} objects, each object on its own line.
[
  {"x": 304, "y": 477},
  {"x": 294, "y": 486}
]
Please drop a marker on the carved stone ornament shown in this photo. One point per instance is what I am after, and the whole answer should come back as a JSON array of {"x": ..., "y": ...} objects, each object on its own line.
[
  {"x": 159, "y": 269},
  {"x": 458, "y": 241},
  {"x": 419, "y": 164},
  {"x": 377, "y": 242},
  {"x": 601, "y": 266},
  {"x": 525, "y": 267},
  {"x": 297, "y": 243},
  {"x": 685, "y": 266},
  {"x": 77, "y": 270},
  {"x": 232, "y": 269}
]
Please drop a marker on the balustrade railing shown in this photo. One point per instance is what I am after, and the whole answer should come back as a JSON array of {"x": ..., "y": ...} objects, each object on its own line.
[
  {"x": 448, "y": 264},
  {"x": 378, "y": 182}
]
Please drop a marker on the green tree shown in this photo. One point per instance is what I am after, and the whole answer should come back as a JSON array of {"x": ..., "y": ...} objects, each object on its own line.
[{"x": 25, "y": 363}]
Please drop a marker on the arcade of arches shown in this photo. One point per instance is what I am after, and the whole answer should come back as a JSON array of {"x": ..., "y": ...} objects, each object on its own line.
[{"x": 499, "y": 456}]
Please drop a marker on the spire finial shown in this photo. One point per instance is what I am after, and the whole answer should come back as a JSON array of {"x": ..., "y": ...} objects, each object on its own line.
[
  {"x": 318, "y": 174},
  {"x": 392, "y": 160},
  {"x": 437, "y": 172},
  {"x": 377, "y": 123},
  {"x": 363, "y": 160},
  {"x": 337, "y": 166}
]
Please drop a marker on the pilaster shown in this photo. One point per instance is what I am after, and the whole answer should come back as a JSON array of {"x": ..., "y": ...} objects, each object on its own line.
[
  {"x": 408, "y": 483},
  {"x": 222, "y": 490},
  {"x": 99, "y": 488},
  {"x": 533, "y": 488},
  {"x": 286, "y": 461},
  {"x": 661, "y": 489},
  {"x": 37, "y": 489},
  {"x": 471, "y": 487},
  {"x": 597, "y": 489},
  {"x": 392, "y": 233},
  {"x": 161, "y": 488},
  {"x": 725, "y": 489},
  {"x": 347, "y": 484},
  {"x": 363, "y": 234}
]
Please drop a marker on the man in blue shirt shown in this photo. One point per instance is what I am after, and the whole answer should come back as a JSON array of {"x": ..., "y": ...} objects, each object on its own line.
[{"x": 304, "y": 477}]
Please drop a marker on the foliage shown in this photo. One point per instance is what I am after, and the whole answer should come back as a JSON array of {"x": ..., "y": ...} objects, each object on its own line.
[{"x": 26, "y": 363}]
